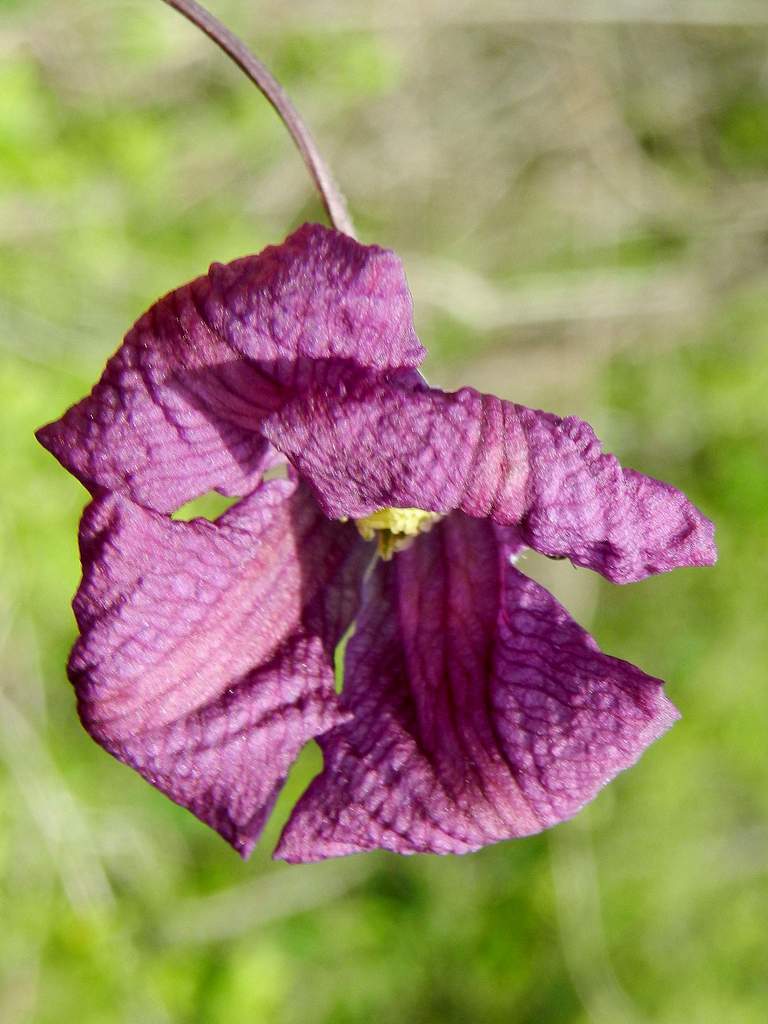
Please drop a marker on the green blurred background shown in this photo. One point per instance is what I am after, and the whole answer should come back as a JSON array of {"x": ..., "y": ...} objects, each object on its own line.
[{"x": 579, "y": 192}]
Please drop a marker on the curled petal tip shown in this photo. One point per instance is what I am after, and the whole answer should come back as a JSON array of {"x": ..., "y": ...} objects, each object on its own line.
[
  {"x": 49, "y": 436},
  {"x": 671, "y": 531}
]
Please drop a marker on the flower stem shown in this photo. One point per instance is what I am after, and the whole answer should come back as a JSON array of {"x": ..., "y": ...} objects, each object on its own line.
[{"x": 332, "y": 199}]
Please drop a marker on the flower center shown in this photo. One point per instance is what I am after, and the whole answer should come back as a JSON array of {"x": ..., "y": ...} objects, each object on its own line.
[{"x": 395, "y": 528}]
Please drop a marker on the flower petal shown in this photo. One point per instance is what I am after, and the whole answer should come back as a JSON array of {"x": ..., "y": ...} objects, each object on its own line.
[
  {"x": 366, "y": 444},
  {"x": 206, "y": 655},
  {"x": 482, "y": 711},
  {"x": 177, "y": 410}
]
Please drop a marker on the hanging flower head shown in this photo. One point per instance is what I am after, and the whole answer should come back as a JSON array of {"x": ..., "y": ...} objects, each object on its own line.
[{"x": 474, "y": 709}]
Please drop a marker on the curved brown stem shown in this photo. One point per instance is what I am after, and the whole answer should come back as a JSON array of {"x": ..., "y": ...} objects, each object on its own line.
[{"x": 331, "y": 197}]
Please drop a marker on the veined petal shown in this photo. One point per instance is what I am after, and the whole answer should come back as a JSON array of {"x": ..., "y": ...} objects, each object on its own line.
[
  {"x": 366, "y": 444},
  {"x": 177, "y": 410},
  {"x": 480, "y": 710},
  {"x": 206, "y": 655}
]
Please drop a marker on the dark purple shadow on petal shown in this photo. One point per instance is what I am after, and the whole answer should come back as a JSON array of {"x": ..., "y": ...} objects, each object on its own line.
[
  {"x": 480, "y": 710},
  {"x": 206, "y": 655},
  {"x": 294, "y": 377}
]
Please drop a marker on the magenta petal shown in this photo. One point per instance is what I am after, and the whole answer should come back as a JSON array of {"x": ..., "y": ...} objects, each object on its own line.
[
  {"x": 481, "y": 710},
  {"x": 367, "y": 444},
  {"x": 177, "y": 410},
  {"x": 206, "y": 655}
]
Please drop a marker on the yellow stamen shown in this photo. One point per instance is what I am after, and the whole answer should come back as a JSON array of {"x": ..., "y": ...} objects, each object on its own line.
[{"x": 395, "y": 528}]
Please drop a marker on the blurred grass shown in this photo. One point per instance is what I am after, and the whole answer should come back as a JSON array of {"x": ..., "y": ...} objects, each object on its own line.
[{"x": 583, "y": 213}]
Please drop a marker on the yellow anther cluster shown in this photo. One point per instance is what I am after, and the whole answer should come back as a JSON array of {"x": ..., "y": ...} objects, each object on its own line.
[{"x": 395, "y": 528}]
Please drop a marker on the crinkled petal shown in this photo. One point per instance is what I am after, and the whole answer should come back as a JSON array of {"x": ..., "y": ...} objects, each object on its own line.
[
  {"x": 206, "y": 655},
  {"x": 177, "y": 410},
  {"x": 480, "y": 710},
  {"x": 367, "y": 444}
]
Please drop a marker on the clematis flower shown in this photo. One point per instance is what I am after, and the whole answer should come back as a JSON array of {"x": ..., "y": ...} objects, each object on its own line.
[{"x": 474, "y": 709}]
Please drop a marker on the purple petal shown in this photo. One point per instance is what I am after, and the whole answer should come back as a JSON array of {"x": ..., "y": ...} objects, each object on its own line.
[
  {"x": 482, "y": 711},
  {"x": 177, "y": 410},
  {"x": 368, "y": 444},
  {"x": 206, "y": 655}
]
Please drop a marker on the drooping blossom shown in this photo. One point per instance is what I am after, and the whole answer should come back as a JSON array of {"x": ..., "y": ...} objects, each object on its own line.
[{"x": 474, "y": 708}]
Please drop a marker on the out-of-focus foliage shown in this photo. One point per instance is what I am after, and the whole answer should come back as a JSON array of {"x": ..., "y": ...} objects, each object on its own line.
[{"x": 582, "y": 205}]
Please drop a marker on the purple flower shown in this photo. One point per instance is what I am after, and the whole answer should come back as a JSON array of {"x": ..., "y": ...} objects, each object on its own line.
[{"x": 474, "y": 708}]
